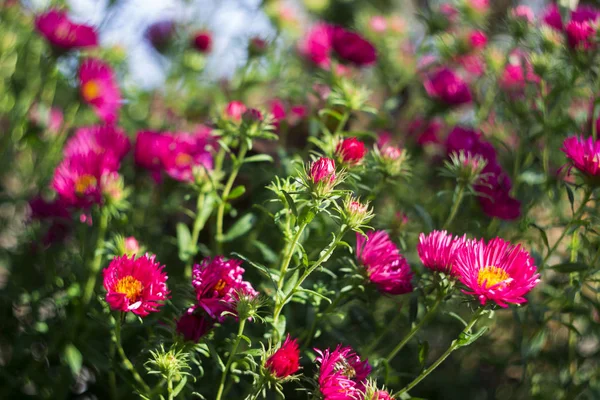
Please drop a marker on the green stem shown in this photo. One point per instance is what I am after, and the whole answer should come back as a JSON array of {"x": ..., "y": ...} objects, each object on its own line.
[
  {"x": 458, "y": 196},
  {"x": 430, "y": 313},
  {"x": 389, "y": 326},
  {"x": 291, "y": 248},
  {"x": 576, "y": 216},
  {"x": 342, "y": 122},
  {"x": 227, "y": 190},
  {"x": 256, "y": 393},
  {"x": 96, "y": 262},
  {"x": 112, "y": 377},
  {"x": 199, "y": 223},
  {"x": 455, "y": 344},
  {"x": 126, "y": 362},
  {"x": 232, "y": 354},
  {"x": 170, "y": 389}
]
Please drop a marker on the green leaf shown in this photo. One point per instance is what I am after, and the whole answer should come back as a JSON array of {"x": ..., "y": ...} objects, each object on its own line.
[
  {"x": 543, "y": 233},
  {"x": 290, "y": 202},
  {"x": 423, "y": 352},
  {"x": 180, "y": 386},
  {"x": 535, "y": 345},
  {"x": 465, "y": 339},
  {"x": 258, "y": 266},
  {"x": 313, "y": 293},
  {"x": 280, "y": 327},
  {"x": 569, "y": 267},
  {"x": 259, "y": 158},
  {"x": 290, "y": 283},
  {"x": 571, "y": 198},
  {"x": 183, "y": 241},
  {"x": 73, "y": 357},
  {"x": 236, "y": 192},
  {"x": 241, "y": 227}
]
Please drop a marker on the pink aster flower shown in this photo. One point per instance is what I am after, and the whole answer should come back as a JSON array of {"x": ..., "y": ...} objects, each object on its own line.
[
  {"x": 286, "y": 360},
  {"x": 234, "y": 110},
  {"x": 322, "y": 170},
  {"x": 425, "y": 131},
  {"x": 351, "y": 151},
  {"x": 552, "y": 17},
  {"x": 216, "y": 282},
  {"x": 583, "y": 154},
  {"x": 59, "y": 30},
  {"x": 135, "y": 284},
  {"x": 523, "y": 13},
  {"x": 585, "y": 13},
  {"x": 477, "y": 39},
  {"x": 496, "y": 271},
  {"x": 189, "y": 155},
  {"x": 203, "y": 41},
  {"x": 580, "y": 35},
  {"x": 317, "y": 45},
  {"x": 278, "y": 111},
  {"x": 353, "y": 48},
  {"x": 446, "y": 86},
  {"x": 342, "y": 374},
  {"x": 151, "y": 148},
  {"x": 99, "y": 139},
  {"x": 438, "y": 250},
  {"x": 99, "y": 89},
  {"x": 385, "y": 266},
  {"x": 78, "y": 178},
  {"x": 516, "y": 77},
  {"x": 192, "y": 325}
]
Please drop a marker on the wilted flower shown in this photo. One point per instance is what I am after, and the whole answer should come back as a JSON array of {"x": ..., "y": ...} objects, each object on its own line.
[
  {"x": 202, "y": 41},
  {"x": 445, "y": 86},
  {"x": 583, "y": 154},
  {"x": 216, "y": 282},
  {"x": 160, "y": 34},
  {"x": 286, "y": 359},
  {"x": 59, "y": 30},
  {"x": 342, "y": 374},
  {"x": 135, "y": 284},
  {"x": 192, "y": 325},
  {"x": 99, "y": 139},
  {"x": 496, "y": 271},
  {"x": 351, "y": 151},
  {"x": 99, "y": 88},
  {"x": 438, "y": 250}
]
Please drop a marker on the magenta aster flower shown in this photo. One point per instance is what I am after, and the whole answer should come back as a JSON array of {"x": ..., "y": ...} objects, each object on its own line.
[
  {"x": 552, "y": 17},
  {"x": 99, "y": 139},
  {"x": 187, "y": 154},
  {"x": 286, "y": 360},
  {"x": 59, "y": 30},
  {"x": 495, "y": 199},
  {"x": 583, "y": 154},
  {"x": 342, "y": 374},
  {"x": 447, "y": 87},
  {"x": 317, "y": 45},
  {"x": 78, "y": 178},
  {"x": 99, "y": 89},
  {"x": 203, "y": 41},
  {"x": 425, "y": 131},
  {"x": 135, "y": 284},
  {"x": 497, "y": 271},
  {"x": 322, "y": 170},
  {"x": 438, "y": 250},
  {"x": 353, "y": 48},
  {"x": 216, "y": 282},
  {"x": 477, "y": 40},
  {"x": 580, "y": 35},
  {"x": 192, "y": 325},
  {"x": 351, "y": 151},
  {"x": 376, "y": 248},
  {"x": 584, "y": 13}
]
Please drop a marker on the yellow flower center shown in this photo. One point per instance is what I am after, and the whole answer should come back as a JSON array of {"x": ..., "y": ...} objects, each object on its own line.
[
  {"x": 130, "y": 287},
  {"x": 492, "y": 276},
  {"x": 85, "y": 182},
  {"x": 345, "y": 368},
  {"x": 183, "y": 160},
  {"x": 91, "y": 90},
  {"x": 220, "y": 286}
]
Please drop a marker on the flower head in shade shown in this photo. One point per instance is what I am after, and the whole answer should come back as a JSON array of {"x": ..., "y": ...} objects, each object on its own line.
[
  {"x": 285, "y": 361},
  {"x": 580, "y": 35},
  {"x": 193, "y": 325},
  {"x": 203, "y": 41},
  {"x": 189, "y": 155},
  {"x": 351, "y": 151},
  {"x": 99, "y": 89},
  {"x": 353, "y": 48},
  {"x": 384, "y": 265},
  {"x": 160, "y": 34},
  {"x": 438, "y": 250},
  {"x": 99, "y": 139},
  {"x": 56, "y": 212},
  {"x": 342, "y": 374},
  {"x": 445, "y": 86},
  {"x": 216, "y": 282},
  {"x": 78, "y": 178},
  {"x": 496, "y": 271},
  {"x": 257, "y": 47},
  {"x": 133, "y": 284},
  {"x": 59, "y": 30},
  {"x": 495, "y": 199},
  {"x": 584, "y": 155}
]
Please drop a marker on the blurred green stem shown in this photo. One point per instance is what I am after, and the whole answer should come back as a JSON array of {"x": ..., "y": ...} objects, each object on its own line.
[
  {"x": 232, "y": 354},
  {"x": 126, "y": 362},
  {"x": 199, "y": 223},
  {"x": 459, "y": 192},
  {"x": 96, "y": 262}
]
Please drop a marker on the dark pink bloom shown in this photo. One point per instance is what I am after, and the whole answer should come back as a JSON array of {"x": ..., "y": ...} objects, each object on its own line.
[
  {"x": 192, "y": 325},
  {"x": 425, "y": 131},
  {"x": 59, "y": 30},
  {"x": 351, "y": 151},
  {"x": 278, "y": 111},
  {"x": 188, "y": 154},
  {"x": 286, "y": 360},
  {"x": 517, "y": 76},
  {"x": 78, "y": 178},
  {"x": 133, "y": 284},
  {"x": 342, "y": 374},
  {"x": 353, "y": 48},
  {"x": 99, "y": 139},
  {"x": 553, "y": 18},
  {"x": 56, "y": 212},
  {"x": 151, "y": 149},
  {"x": 585, "y": 13},
  {"x": 496, "y": 271},
  {"x": 580, "y": 35},
  {"x": 524, "y": 13},
  {"x": 495, "y": 199},
  {"x": 160, "y": 34},
  {"x": 235, "y": 109},
  {"x": 216, "y": 282},
  {"x": 322, "y": 170},
  {"x": 438, "y": 249},
  {"x": 376, "y": 248},
  {"x": 445, "y": 86},
  {"x": 99, "y": 89},
  {"x": 202, "y": 41},
  {"x": 477, "y": 40},
  {"x": 317, "y": 45},
  {"x": 583, "y": 154}
]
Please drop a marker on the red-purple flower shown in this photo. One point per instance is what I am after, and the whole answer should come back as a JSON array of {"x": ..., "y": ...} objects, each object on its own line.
[
  {"x": 135, "y": 284},
  {"x": 322, "y": 170},
  {"x": 216, "y": 282},
  {"x": 580, "y": 35},
  {"x": 445, "y": 86},
  {"x": 59, "y": 30},
  {"x": 99, "y": 139},
  {"x": 151, "y": 148},
  {"x": 160, "y": 34},
  {"x": 286, "y": 360},
  {"x": 353, "y": 48},
  {"x": 477, "y": 39},
  {"x": 351, "y": 151},
  {"x": 425, "y": 131},
  {"x": 517, "y": 76},
  {"x": 193, "y": 325},
  {"x": 552, "y": 17},
  {"x": 202, "y": 41},
  {"x": 99, "y": 89},
  {"x": 385, "y": 266},
  {"x": 583, "y": 154},
  {"x": 496, "y": 271},
  {"x": 342, "y": 374},
  {"x": 438, "y": 250},
  {"x": 56, "y": 212},
  {"x": 317, "y": 45}
]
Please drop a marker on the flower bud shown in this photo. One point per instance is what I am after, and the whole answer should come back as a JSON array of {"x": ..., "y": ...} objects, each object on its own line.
[
  {"x": 285, "y": 361},
  {"x": 392, "y": 161},
  {"x": 202, "y": 41},
  {"x": 171, "y": 365},
  {"x": 160, "y": 34},
  {"x": 257, "y": 47},
  {"x": 465, "y": 168},
  {"x": 128, "y": 246},
  {"x": 247, "y": 303},
  {"x": 192, "y": 325},
  {"x": 234, "y": 110},
  {"x": 378, "y": 24},
  {"x": 322, "y": 177},
  {"x": 350, "y": 151},
  {"x": 113, "y": 188},
  {"x": 355, "y": 213}
]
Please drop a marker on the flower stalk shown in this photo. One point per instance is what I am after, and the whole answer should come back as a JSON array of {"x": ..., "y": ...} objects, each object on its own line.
[
  {"x": 457, "y": 200},
  {"x": 126, "y": 362},
  {"x": 232, "y": 354}
]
